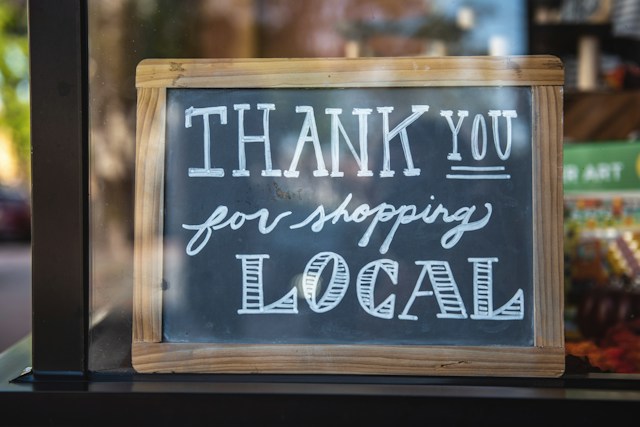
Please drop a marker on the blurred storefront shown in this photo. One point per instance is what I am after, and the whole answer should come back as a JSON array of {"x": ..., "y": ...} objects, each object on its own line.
[{"x": 602, "y": 253}]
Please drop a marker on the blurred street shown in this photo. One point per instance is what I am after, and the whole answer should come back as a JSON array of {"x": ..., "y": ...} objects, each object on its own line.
[{"x": 15, "y": 292}]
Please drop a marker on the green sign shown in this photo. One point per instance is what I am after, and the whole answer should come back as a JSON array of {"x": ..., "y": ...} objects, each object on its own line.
[{"x": 603, "y": 166}]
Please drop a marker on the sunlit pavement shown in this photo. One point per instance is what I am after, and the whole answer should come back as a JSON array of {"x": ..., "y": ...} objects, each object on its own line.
[{"x": 15, "y": 292}]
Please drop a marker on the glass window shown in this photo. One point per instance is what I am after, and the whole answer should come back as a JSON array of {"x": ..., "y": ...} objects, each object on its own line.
[{"x": 124, "y": 32}]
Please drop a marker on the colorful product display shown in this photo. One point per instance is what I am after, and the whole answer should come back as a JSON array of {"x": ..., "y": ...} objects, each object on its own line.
[{"x": 602, "y": 256}]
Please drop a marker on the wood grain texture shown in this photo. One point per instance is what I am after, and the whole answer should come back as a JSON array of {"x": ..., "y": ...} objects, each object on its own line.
[
  {"x": 361, "y": 72},
  {"x": 544, "y": 359},
  {"x": 348, "y": 359},
  {"x": 149, "y": 199},
  {"x": 548, "y": 216}
]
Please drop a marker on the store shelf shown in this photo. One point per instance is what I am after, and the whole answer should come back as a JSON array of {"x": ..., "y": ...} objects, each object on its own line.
[{"x": 601, "y": 115}]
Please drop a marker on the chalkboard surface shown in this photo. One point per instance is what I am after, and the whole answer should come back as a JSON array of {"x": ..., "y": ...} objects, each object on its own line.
[
  {"x": 491, "y": 195},
  {"x": 363, "y": 216}
]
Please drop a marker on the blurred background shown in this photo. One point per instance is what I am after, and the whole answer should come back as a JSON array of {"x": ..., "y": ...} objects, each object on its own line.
[
  {"x": 598, "y": 41},
  {"x": 15, "y": 218}
]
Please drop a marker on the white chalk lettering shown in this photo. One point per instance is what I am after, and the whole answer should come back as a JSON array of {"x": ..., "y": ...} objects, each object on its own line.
[
  {"x": 448, "y": 295},
  {"x": 509, "y": 114},
  {"x": 455, "y": 129},
  {"x": 338, "y": 283},
  {"x": 424, "y": 225},
  {"x": 216, "y": 221},
  {"x": 264, "y": 138},
  {"x": 477, "y": 152},
  {"x": 308, "y": 133},
  {"x": 207, "y": 170},
  {"x": 443, "y": 283},
  {"x": 366, "y": 283},
  {"x": 445, "y": 289},
  {"x": 402, "y": 215},
  {"x": 401, "y": 129},
  {"x": 463, "y": 218},
  {"x": 336, "y": 129},
  {"x": 253, "y": 290},
  {"x": 483, "y": 294}
]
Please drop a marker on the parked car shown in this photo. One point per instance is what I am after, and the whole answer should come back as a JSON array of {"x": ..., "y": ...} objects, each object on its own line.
[{"x": 15, "y": 214}]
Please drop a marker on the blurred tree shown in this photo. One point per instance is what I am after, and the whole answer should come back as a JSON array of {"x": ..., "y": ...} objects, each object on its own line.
[{"x": 14, "y": 80}]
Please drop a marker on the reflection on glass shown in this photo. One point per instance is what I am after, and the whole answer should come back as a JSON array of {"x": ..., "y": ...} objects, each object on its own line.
[{"x": 123, "y": 32}]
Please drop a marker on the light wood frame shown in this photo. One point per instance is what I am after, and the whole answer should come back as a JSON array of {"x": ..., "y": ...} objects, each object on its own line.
[{"x": 545, "y": 76}]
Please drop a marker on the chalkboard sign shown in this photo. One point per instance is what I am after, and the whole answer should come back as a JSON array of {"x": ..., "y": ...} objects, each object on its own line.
[{"x": 362, "y": 216}]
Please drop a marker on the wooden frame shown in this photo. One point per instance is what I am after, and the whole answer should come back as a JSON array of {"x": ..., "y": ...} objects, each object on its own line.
[{"x": 545, "y": 76}]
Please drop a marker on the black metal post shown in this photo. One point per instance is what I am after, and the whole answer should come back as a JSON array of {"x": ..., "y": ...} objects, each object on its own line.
[{"x": 59, "y": 148}]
